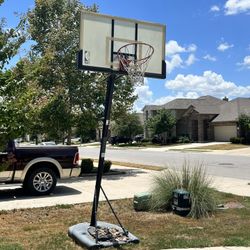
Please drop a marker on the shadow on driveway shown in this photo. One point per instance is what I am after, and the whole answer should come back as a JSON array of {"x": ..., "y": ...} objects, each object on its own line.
[
  {"x": 15, "y": 193},
  {"x": 112, "y": 175},
  {"x": 19, "y": 193}
]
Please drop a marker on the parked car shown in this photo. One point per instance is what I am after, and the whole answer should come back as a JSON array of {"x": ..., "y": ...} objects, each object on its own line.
[
  {"x": 119, "y": 139},
  {"x": 76, "y": 140},
  {"x": 139, "y": 138},
  {"x": 38, "y": 167},
  {"x": 48, "y": 143},
  {"x": 156, "y": 139}
]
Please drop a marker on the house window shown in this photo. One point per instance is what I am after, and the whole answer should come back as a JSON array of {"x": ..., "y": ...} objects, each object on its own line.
[{"x": 154, "y": 112}]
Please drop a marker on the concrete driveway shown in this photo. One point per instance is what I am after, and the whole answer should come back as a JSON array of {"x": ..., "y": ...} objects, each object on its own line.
[{"x": 79, "y": 190}]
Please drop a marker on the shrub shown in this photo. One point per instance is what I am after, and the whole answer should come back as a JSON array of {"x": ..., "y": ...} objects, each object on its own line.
[
  {"x": 145, "y": 140},
  {"x": 139, "y": 138},
  {"x": 174, "y": 139},
  {"x": 156, "y": 139},
  {"x": 87, "y": 166},
  {"x": 237, "y": 140},
  {"x": 183, "y": 139},
  {"x": 107, "y": 166},
  {"x": 194, "y": 180}
]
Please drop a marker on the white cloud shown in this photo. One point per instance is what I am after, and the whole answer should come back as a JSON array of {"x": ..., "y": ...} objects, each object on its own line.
[
  {"x": 174, "y": 62},
  {"x": 246, "y": 62},
  {"x": 191, "y": 48},
  {"x": 224, "y": 46},
  {"x": 172, "y": 47},
  {"x": 233, "y": 7},
  {"x": 210, "y": 58},
  {"x": 191, "y": 59},
  {"x": 215, "y": 8},
  {"x": 210, "y": 83},
  {"x": 174, "y": 59},
  {"x": 143, "y": 92},
  {"x": 192, "y": 86},
  {"x": 144, "y": 95}
]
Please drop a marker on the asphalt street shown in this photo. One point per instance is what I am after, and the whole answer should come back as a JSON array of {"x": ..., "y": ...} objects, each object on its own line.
[{"x": 223, "y": 165}]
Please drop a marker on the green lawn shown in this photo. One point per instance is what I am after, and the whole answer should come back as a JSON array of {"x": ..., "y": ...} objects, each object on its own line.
[{"x": 46, "y": 228}]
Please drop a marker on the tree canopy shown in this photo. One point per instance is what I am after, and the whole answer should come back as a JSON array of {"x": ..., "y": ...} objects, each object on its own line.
[
  {"x": 128, "y": 125},
  {"x": 45, "y": 92},
  {"x": 244, "y": 122},
  {"x": 162, "y": 122},
  {"x": 10, "y": 40},
  {"x": 10, "y": 83}
]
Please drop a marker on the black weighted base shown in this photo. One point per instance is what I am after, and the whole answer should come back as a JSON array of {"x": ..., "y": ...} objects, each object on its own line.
[{"x": 109, "y": 235}]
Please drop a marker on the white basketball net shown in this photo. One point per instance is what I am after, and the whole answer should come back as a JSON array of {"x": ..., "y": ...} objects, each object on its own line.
[{"x": 135, "y": 67}]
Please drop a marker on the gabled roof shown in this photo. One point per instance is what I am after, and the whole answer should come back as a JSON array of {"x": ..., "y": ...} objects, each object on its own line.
[
  {"x": 208, "y": 109},
  {"x": 203, "y": 105},
  {"x": 151, "y": 107},
  {"x": 230, "y": 111},
  {"x": 179, "y": 103}
]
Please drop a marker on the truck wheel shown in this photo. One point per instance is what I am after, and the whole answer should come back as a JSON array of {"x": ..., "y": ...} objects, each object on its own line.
[{"x": 41, "y": 181}]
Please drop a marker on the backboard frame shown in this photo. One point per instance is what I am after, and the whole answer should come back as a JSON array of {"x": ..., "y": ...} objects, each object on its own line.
[{"x": 112, "y": 41}]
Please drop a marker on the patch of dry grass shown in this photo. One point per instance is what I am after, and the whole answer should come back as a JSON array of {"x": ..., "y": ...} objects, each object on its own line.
[{"x": 46, "y": 228}]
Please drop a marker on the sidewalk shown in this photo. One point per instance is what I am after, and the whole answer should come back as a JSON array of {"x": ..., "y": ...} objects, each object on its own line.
[
  {"x": 182, "y": 146},
  {"x": 189, "y": 146}
]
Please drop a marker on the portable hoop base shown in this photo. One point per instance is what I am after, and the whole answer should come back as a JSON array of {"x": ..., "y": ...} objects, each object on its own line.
[{"x": 80, "y": 233}]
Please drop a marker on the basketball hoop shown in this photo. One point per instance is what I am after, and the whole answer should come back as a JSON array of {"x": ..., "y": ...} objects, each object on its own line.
[{"x": 134, "y": 59}]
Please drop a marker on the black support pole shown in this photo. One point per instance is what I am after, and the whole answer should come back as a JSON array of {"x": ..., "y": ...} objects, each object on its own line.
[{"x": 106, "y": 121}]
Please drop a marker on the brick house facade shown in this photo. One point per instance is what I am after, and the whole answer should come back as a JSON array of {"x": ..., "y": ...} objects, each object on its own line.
[{"x": 206, "y": 118}]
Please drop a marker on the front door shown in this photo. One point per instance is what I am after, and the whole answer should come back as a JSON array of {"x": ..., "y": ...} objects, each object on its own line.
[
  {"x": 194, "y": 130},
  {"x": 205, "y": 129}
]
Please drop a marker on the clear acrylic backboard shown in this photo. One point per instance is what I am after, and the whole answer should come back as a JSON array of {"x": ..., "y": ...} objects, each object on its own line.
[{"x": 101, "y": 36}]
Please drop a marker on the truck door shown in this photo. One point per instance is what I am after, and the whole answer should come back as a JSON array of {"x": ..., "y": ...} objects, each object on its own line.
[{"x": 5, "y": 168}]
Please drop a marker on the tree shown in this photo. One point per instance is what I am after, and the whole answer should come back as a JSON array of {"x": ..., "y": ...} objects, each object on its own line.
[
  {"x": 54, "y": 26},
  {"x": 128, "y": 125},
  {"x": 56, "y": 118},
  {"x": 225, "y": 98},
  {"x": 86, "y": 126},
  {"x": 10, "y": 41},
  {"x": 244, "y": 122},
  {"x": 19, "y": 109},
  {"x": 162, "y": 124}
]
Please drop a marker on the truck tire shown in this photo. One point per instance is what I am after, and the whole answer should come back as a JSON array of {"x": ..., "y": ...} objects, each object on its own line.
[{"x": 40, "y": 181}]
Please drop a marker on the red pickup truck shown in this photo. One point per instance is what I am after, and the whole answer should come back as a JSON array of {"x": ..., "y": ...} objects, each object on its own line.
[{"x": 38, "y": 167}]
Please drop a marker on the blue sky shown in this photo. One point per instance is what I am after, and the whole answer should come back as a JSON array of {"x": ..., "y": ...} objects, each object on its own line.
[{"x": 207, "y": 44}]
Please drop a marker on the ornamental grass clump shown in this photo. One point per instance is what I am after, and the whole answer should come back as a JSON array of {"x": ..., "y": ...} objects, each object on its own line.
[{"x": 192, "y": 179}]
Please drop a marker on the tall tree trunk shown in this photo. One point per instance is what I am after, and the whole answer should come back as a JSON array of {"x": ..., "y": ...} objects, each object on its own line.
[{"x": 69, "y": 136}]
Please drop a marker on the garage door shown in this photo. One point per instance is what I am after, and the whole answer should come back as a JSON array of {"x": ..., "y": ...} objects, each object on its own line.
[{"x": 224, "y": 133}]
